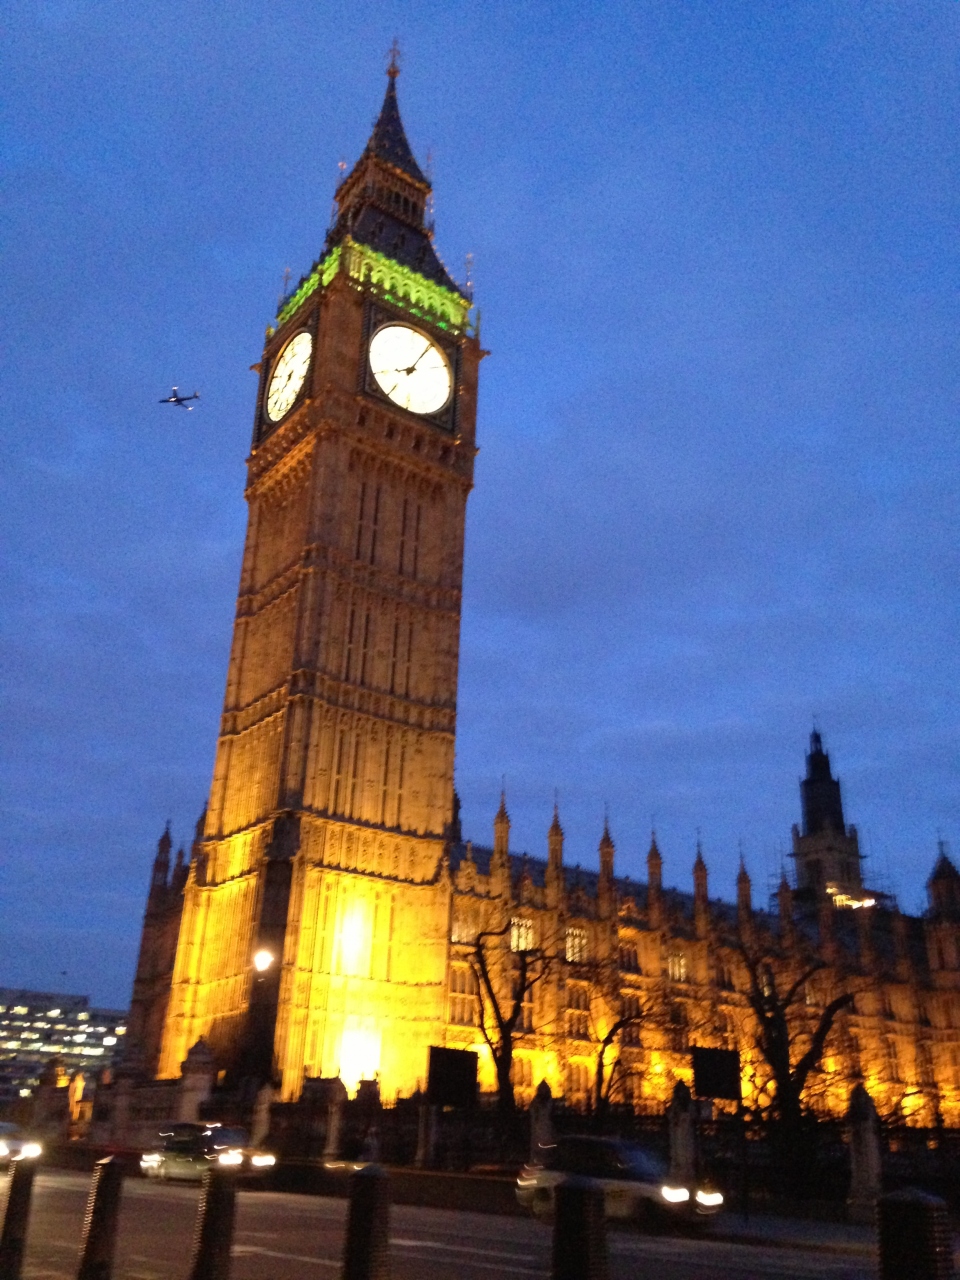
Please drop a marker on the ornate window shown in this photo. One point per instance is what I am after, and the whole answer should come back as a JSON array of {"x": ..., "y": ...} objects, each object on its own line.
[
  {"x": 576, "y": 941},
  {"x": 463, "y": 996},
  {"x": 630, "y": 1034},
  {"x": 891, "y": 1059},
  {"x": 462, "y": 929},
  {"x": 521, "y": 1073},
  {"x": 629, "y": 961},
  {"x": 521, "y": 934},
  {"x": 578, "y": 1011},
  {"x": 578, "y": 1078},
  {"x": 677, "y": 966}
]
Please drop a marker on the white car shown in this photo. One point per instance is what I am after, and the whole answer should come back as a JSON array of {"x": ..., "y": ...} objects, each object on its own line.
[
  {"x": 16, "y": 1145},
  {"x": 635, "y": 1182}
]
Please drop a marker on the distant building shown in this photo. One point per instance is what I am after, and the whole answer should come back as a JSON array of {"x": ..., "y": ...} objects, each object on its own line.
[{"x": 36, "y": 1026}]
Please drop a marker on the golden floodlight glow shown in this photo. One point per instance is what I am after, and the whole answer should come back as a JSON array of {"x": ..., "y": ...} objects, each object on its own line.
[
  {"x": 262, "y": 961},
  {"x": 353, "y": 941},
  {"x": 359, "y": 1056}
]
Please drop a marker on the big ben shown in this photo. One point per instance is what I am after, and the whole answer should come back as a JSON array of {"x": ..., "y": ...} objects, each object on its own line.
[{"x": 315, "y": 925}]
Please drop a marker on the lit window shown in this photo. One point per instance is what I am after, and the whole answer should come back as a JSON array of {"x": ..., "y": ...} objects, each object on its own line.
[
  {"x": 53, "y": 1013},
  {"x": 677, "y": 966},
  {"x": 576, "y": 945},
  {"x": 521, "y": 934},
  {"x": 578, "y": 1011},
  {"x": 20, "y": 1008},
  {"x": 109, "y": 1039},
  {"x": 83, "y": 1017},
  {"x": 463, "y": 996}
]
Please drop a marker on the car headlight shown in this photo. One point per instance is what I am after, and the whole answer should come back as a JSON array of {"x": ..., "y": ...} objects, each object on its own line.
[
  {"x": 675, "y": 1195},
  {"x": 710, "y": 1199},
  {"x": 29, "y": 1151},
  {"x": 4, "y": 1150},
  {"x": 151, "y": 1160},
  {"x": 263, "y": 1162},
  {"x": 230, "y": 1157}
]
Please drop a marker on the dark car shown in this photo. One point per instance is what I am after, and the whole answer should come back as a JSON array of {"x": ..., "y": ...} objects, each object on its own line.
[
  {"x": 635, "y": 1182},
  {"x": 184, "y": 1151}
]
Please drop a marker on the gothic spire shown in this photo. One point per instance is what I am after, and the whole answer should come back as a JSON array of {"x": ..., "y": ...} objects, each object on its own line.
[{"x": 388, "y": 141}]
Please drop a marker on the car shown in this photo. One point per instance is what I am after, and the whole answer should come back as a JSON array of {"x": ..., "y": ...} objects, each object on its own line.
[
  {"x": 184, "y": 1151},
  {"x": 635, "y": 1182},
  {"x": 16, "y": 1145}
]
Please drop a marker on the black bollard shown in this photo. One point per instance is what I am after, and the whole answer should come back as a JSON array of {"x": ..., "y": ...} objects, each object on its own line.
[
  {"x": 99, "y": 1239},
  {"x": 13, "y": 1236},
  {"x": 915, "y": 1237},
  {"x": 579, "y": 1231},
  {"x": 366, "y": 1250},
  {"x": 214, "y": 1233}
]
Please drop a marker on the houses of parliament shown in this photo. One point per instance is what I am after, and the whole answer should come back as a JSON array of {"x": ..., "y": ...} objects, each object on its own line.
[{"x": 327, "y": 920}]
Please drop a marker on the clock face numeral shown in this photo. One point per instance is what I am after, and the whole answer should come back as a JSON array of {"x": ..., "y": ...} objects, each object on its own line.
[
  {"x": 289, "y": 374},
  {"x": 409, "y": 369}
]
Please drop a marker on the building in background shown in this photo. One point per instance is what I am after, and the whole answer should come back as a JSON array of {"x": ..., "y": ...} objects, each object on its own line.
[{"x": 37, "y": 1026}]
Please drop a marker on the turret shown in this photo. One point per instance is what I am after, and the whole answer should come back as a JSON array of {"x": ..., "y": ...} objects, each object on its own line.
[
  {"x": 744, "y": 897},
  {"x": 605, "y": 887},
  {"x": 943, "y": 887},
  {"x": 701, "y": 902},
  {"x": 161, "y": 863},
  {"x": 500, "y": 862},
  {"x": 554, "y": 876},
  {"x": 654, "y": 884},
  {"x": 826, "y": 851}
]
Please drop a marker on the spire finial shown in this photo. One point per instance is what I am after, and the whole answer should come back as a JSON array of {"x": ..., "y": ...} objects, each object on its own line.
[{"x": 393, "y": 66}]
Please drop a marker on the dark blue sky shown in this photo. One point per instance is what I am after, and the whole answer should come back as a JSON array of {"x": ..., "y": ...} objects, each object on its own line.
[{"x": 717, "y": 259}]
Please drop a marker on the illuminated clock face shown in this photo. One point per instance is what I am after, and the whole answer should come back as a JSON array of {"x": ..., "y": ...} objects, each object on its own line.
[
  {"x": 288, "y": 375},
  {"x": 410, "y": 369}
]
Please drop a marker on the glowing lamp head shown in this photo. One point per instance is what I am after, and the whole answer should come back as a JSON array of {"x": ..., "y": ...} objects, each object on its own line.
[{"x": 262, "y": 960}]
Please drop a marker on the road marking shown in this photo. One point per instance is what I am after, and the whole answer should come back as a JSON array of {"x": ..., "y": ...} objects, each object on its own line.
[
  {"x": 240, "y": 1250},
  {"x": 461, "y": 1248}
]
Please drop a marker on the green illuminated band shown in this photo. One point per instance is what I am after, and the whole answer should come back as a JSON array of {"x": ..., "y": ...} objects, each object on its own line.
[{"x": 399, "y": 285}]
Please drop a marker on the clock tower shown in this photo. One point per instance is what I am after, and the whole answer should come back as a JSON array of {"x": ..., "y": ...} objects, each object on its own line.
[{"x": 316, "y": 913}]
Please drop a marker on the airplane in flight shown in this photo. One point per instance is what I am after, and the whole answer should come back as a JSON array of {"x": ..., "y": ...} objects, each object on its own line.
[{"x": 181, "y": 401}]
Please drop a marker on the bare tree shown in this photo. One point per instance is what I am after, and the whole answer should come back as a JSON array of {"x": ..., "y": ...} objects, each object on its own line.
[
  {"x": 505, "y": 978},
  {"x": 790, "y": 1037},
  {"x": 776, "y": 994}
]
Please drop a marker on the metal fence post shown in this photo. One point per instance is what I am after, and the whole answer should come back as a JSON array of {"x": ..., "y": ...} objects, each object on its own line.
[
  {"x": 214, "y": 1232},
  {"x": 13, "y": 1236},
  {"x": 99, "y": 1239},
  {"x": 366, "y": 1251},
  {"x": 579, "y": 1231},
  {"x": 915, "y": 1238}
]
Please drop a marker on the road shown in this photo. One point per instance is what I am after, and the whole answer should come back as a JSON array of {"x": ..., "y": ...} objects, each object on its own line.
[{"x": 291, "y": 1237}]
